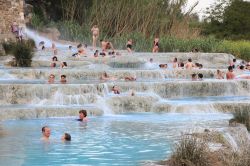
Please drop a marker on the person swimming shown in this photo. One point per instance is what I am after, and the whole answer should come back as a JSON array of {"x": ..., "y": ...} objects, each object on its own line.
[
  {"x": 83, "y": 116},
  {"x": 66, "y": 137},
  {"x": 46, "y": 133},
  {"x": 51, "y": 78},
  {"x": 63, "y": 79},
  {"x": 115, "y": 89}
]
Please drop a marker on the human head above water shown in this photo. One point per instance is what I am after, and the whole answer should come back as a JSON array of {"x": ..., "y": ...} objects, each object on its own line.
[
  {"x": 230, "y": 68},
  {"x": 66, "y": 137},
  {"x": 46, "y": 131},
  {"x": 82, "y": 114}
]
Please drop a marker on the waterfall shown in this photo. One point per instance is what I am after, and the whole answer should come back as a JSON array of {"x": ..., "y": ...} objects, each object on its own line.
[
  {"x": 102, "y": 104},
  {"x": 38, "y": 38}
]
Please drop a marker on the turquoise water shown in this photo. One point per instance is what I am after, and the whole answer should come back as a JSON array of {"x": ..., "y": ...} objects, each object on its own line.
[{"x": 108, "y": 140}]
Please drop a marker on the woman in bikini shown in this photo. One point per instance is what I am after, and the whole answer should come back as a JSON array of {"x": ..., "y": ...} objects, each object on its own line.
[
  {"x": 129, "y": 45},
  {"x": 95, "y": 34},
  {"x": 156, "y": 45}
]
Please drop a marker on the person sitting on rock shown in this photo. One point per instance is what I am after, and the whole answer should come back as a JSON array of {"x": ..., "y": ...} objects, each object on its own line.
[
  {"x": 230, "y": 74},
  {"x": 200, "y": 77},
  {"x": 106, "y": 77},
  {"x": 64, "y": 65},
  {"x": 219, "y": 75},
  {"x": 96, "y": 53},
  {"x": 189, "y": 64},
  {"x": 51, "y": 79},
  {"x": 63, "y": 79},
  {"x": 81, "y": 50},
  {"x": 106, "y": 45},
  {"x": 194, "y": 77},
  {"x": 163, "y": 66},
  {"x": 54, "y": 60},
  {"x": 130, "y": 78},
  {"x": 175, "y": 63},
  {"x": 115, "y": 89}
]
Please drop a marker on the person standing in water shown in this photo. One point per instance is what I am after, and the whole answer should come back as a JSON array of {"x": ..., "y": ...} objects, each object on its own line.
[
  {"x": 83, "y": 116},
  {"x": 46, "y": 133},
  {"x": 95, "y": 35}
]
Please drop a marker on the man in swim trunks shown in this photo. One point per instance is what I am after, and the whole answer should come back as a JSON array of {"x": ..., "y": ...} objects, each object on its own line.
[
  {"x": 189, "y": 64},
  {"x": 106, "y": 45},
  {"x": 95, "y": 35}
]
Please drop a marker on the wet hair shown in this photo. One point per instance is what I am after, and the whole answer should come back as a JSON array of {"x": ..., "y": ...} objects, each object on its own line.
[
  {"x": 84, "y": 112},
  {"x": 241, "y": 67},
  {"x": 200, "y": 66},
  {"x": 230, "y": 68},
  {"x": 193, "y": 75},
  {"x": 43, "y": 47},
  {"x": 70, "y": 47},
  {"x": 181, "y": 64},
  {"x": 65, "y": 64},
  {"x": 44, "y": 127},
  {"x": 200, "y": 75},
  {"x": 105, "y": 74},
  {"x": 175, "y": 59},
  {"x": 234, "y": 60},
  {"x": 151, "y": 59},
  {"x": 79, "y": 45},
  {"x": 63, "y": 76},
  {"x": 67, "y": 137},
  {"x": 53, "y": 65},
  {"x": 101, "y": 40},
  {"x": 189, "y": 60},
  {"x": 197, "y": 64},
  {"x": 54, "y": 58}
]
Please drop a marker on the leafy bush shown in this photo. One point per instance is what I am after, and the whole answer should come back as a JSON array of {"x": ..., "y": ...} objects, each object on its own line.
[
  {"x": 190, "y": 151},
  {"x": 23, "y": 54},
  {"x": 8, "y": 47},
  {"x": 243, "y": 117},
  {"x": 22, "y": 51}
]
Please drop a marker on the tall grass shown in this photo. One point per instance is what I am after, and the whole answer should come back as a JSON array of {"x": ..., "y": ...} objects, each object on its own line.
[
  {"x": 240, "y": 49},
  {"x": 190, "y": 151},
  {"x": 243, "y": 117}
]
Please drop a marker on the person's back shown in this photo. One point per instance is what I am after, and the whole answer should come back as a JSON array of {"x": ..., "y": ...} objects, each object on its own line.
[
  {"x": 230, "y": 75},
  {"x": 189, "y": 64}
]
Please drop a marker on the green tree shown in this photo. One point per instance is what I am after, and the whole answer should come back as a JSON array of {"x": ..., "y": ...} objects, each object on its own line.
[{"x": 228, "y": 19}]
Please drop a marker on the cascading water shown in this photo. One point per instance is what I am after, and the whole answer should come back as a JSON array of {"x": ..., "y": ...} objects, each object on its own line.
[
  {"x": 37, "y": 38},
  {"x": 189, "y": 102}
]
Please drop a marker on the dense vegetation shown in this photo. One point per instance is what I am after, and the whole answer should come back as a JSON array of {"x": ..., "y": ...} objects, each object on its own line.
[
  {"x": 142, "y": 20},
  {"x": 22, "y": 51}
]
